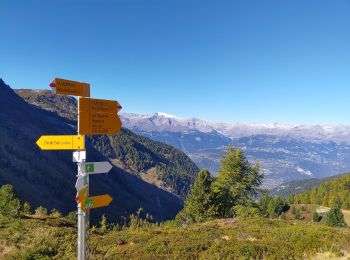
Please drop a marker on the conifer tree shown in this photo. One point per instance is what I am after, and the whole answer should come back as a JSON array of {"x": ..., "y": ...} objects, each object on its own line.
[
  {"x": 237, "y": 183},
  {"x": 335, "y": 217},
  {"x": 9, "y": 202},
  {"x": 199, "y": 204}
]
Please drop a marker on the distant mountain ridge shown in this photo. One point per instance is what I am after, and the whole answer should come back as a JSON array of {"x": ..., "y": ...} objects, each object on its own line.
[
  {"x": 164, "y": 122},
  {"x": 286, "y": 152}
]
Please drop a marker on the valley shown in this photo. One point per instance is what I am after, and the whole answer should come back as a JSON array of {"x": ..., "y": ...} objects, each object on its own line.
[{"x": 285, "y": 152}]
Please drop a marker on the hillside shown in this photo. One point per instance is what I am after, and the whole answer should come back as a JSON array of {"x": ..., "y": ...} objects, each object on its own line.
[
  {"x": 47, "y": 178},
  {"x": 155, "y": 162},
  {"x": 298, "y": 186},
  {"x": 294, "y": 187},
  {"x": 327, "y": 193},
  {"x": 255, "y": 238}
]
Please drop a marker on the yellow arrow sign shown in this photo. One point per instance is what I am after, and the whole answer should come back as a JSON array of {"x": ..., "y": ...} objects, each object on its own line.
[
  {"x": 69, "y": 87},
  {"x": 82, "y": 195},
  {"x": 96, "y": 202},
  {"x": 61, "y": 142},
  {"x": 94, "y": 105},
  {"x": 98, "y": 116}
]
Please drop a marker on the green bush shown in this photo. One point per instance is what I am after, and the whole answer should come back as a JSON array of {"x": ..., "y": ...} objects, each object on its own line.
[
  {"x": 242, "y": 211},
  {"x": 27, "y": 210},
  {"x": 41, "y": 212},
  {"x": 316, "y": 217}
]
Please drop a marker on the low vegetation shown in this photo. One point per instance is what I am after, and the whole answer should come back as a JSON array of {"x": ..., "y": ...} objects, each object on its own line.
[
  {"x": 220, "y": 220},
  {"x": 253, "y": 237}
]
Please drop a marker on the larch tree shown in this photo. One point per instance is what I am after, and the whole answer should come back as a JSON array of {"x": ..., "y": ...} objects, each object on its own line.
[
  {"x": 237, "y": 183},
  {"x": 199, "y": 204}
]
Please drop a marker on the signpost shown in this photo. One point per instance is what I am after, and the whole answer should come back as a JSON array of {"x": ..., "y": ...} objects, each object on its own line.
[
  {"x": 82, "y": 182},
  {"x": 94, "y": 167},
  {"x": 61, "y": 142},
  {"x": 69, "y": 87},
  {"x": 79, "y": 156},
  {"x": 82, "y": 194},
  {"x": 96, "y": 116},
  {"x": 97, "y": 201}
]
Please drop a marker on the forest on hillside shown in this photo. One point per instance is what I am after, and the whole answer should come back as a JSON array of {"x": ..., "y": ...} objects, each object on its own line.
[{"x": 327, "y": 193}]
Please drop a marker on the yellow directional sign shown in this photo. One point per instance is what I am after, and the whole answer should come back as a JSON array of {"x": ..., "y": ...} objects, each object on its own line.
[
  {"x": 99, "y": 105},
  {"x": 97, "y": 116},
  {"x": 82, "y": 195},
  {"x": 69, "y": 87},
  {"x": 99, "y": 123},
  {"x": 96, "y": 202},
  {"x": 61, "y": 142}
]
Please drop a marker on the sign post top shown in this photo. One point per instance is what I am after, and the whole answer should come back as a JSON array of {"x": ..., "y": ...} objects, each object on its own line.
[{"x": 69, "y": 87}]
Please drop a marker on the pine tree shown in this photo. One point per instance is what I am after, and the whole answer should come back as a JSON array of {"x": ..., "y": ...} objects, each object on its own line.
[
  {"x": 237, "y": 183},
  {"x": 335, "y": 217},
  {"x": 9, "y": 202},
  {"x": 200, "y": 203},
  {"x": 264, "y": 203}
]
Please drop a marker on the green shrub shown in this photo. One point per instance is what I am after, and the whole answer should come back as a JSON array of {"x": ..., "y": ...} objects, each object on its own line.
[
  {"x": 316, "y": 217},
  {"x": 27, "y": 210},
  {"x": 55, "y": 213},
  {"x": 242, "y": 211},
  {"x": 41, "y": 212}
]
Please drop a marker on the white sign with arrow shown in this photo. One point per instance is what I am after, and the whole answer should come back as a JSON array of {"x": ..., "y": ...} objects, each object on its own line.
[
  {"x": 94, "y": 167},
  {"x": 82, "y": 182},
  {"x": 79, "y": 156}
]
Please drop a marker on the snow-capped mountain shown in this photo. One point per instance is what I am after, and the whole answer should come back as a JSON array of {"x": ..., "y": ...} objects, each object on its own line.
[
  {"x": 164, "y": 122},
  {"x": 285, "y": 152}
]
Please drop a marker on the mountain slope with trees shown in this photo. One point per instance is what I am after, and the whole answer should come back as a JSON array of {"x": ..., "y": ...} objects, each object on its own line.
[
  {"x": 47, "y": 178},
  {"x": 299, "y": 186},
  {"x": 154, "y": 162},
  {"x": 328, "y": 193}
]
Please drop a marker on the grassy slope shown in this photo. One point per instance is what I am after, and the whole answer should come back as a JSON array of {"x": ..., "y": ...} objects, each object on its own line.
[{"x": 219, "y": 239}]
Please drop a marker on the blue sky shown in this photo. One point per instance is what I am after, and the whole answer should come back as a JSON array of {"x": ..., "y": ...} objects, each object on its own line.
[{"x": 233, "y": 61}]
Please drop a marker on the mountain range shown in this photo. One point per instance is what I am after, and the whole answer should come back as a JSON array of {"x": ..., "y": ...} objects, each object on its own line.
[
  {"x": 146, "y": 174},
  {"x": 285, "y": 152}
]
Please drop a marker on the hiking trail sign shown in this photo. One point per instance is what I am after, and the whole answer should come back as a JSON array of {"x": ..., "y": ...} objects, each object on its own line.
[
  {"x": 61, "y": 142},
  {"x": 98, "y": 116},
  {"x": 97, "y": 201},
  {"x": 95, "y": 116},
  {"x": 94, "y": 167},
  {"x": 69, "y": 87}
]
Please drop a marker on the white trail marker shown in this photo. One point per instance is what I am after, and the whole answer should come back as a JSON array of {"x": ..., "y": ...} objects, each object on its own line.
[{"x": 94, "y": 167}]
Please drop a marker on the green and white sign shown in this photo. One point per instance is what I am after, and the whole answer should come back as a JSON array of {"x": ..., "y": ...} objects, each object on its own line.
[
  {"x": 94, "y": 167},
  {"x": 82, "y": 182}
]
